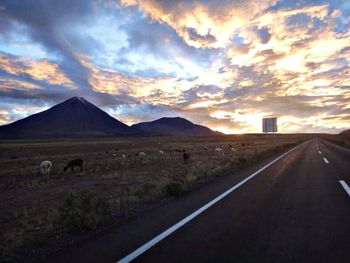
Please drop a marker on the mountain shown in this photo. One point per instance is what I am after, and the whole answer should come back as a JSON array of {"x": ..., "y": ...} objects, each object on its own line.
[
  {"x": 174, "y": 126},
  {"x": 345, "y": 132},
  {"x": 75, "y": 117}
]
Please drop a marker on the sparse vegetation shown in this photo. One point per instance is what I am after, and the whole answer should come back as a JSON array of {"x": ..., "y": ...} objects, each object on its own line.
[
  {"x": 84, "y": 210},
  {"x": 148, "y": 191},
  {"x": 175, "y": 187},
  {"x": 340, "y": 139},
  {"x": 115, "y": 181}
]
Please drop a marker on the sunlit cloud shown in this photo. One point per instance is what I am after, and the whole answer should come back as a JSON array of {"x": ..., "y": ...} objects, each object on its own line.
[
  {"x": 224, "y": 64},
  {"x": 36, "y": 69},
  {"x": 202, "y": 24},
  {"x": 10, "y": 83},
  {"x": 12, "y": 111},
  {"x": 4, "y": 116}
]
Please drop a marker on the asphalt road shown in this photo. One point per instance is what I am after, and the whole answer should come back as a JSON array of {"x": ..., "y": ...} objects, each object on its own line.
[{"x": 295, "y": 210}]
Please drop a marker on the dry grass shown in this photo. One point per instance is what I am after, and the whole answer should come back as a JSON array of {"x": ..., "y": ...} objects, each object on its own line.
[
  {"x": 32, "y": 205},
  {"x": 340, "y": 139}
]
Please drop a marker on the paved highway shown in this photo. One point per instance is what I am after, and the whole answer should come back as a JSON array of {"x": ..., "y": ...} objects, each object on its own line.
[{"x": 293, "y": 207}]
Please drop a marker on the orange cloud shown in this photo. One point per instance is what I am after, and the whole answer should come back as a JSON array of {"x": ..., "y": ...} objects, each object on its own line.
[
  {"x": 36, "y": 69},
  {"x": 299, "y": 70},
  {"x": 201, "y": 25},
  {"x": 4, "y": 116},
  {"x": 9, "y": 83}
]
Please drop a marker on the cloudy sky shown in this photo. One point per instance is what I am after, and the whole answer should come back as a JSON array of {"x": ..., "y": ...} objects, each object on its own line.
[{"x": 224, "y": 64}]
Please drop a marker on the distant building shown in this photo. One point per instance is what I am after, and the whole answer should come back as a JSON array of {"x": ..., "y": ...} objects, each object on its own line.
[{"x": 269, "y": 124}]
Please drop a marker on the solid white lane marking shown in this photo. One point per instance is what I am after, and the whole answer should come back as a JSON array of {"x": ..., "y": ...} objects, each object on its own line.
[
  {"x": 348, "y": 150},
  {"x": 178, "y": 225},
  {"x": 345, "y": 186},
  {"x": 325, "y": 160}
]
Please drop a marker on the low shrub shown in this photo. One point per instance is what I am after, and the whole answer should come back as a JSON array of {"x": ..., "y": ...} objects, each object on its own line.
[
  {"x": 221, "y": 169},
  {"x": 124, "y": 204},
  {"x": 175, "y": 188},
  {"x": 13, "y": 239},
  {"x": 83, "y": 210},
  {"x": 242, "y": 160},
  {"x": 148, "y": 190}
]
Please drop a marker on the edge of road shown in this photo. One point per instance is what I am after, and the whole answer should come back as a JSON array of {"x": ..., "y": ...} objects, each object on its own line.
[
  {"x": 122, "y": 234},
  {"x": 139, "y": 251},
  {"x": 334, "y": 145}
]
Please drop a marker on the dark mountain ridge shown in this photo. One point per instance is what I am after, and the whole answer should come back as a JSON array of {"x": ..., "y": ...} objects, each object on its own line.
[
  {"x": 345, "y": 132},
  {"x": 174, "y": 126},
  {"x": 77, "y": 117},
  {"x": 74, "y": 117}
]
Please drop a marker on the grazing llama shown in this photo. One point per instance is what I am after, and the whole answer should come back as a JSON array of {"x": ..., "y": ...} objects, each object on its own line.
[
  {"x": 45, "y": 168},
  {"x": 219, "y": 151},
  {"x": 186, "y": 156},
  {"x": 72, "y": 163}
]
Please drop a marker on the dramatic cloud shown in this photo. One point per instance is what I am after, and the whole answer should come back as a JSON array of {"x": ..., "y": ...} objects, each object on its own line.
[
  {"x": 225, "y": 64},
  {"x": 202, "y": 23},
  {"x": 37, "y": 70}
]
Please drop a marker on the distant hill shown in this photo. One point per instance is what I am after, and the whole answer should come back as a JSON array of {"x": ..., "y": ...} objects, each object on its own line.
[
  {"x": 345, "y": 132},
  {"x": 75, "y": 117},
  {"x": 174, "y": 126}
]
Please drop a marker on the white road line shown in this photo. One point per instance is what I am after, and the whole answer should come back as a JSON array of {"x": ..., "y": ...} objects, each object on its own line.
[
  {"x": 345, "y": 186},
  {"x": 178, "y": 225},
  {"x": 325, "y": 160},
  {"x": 319, "y": 152},
  {"x": 348, "y": 150}
]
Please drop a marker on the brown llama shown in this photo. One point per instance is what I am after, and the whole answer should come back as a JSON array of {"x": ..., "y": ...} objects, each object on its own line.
[
  {"x": 186, "y": 157},
  {"x": 72, "y": 163}
]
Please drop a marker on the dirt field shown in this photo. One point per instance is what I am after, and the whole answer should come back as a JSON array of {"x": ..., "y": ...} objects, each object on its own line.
[{"x": 37, "y": 210}]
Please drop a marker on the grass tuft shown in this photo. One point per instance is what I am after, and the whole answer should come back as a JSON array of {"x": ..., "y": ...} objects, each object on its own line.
[
  {"x": 84, "y": 210},
  {"x": 175, "y": 188}
]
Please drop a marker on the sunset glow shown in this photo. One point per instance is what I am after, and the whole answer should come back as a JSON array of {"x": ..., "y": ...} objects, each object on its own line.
[{"x": 223, "y": 64}]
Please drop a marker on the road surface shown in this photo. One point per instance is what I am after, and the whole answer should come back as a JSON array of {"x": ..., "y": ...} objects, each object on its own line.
[{"x": 290, "y": 208}]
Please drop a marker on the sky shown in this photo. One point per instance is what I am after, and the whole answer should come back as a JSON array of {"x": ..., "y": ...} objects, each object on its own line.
[{"x": 223, "y": 64}]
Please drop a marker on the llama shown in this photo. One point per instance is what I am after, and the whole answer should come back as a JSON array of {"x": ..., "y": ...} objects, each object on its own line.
[
  {"x": 45, "y": 168},
  {"x": 143, "y": 157},
  {"x": 186, "y": 156},
  {"x": 219, "y": 151},
  {"x": 72, "y": 163}
]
